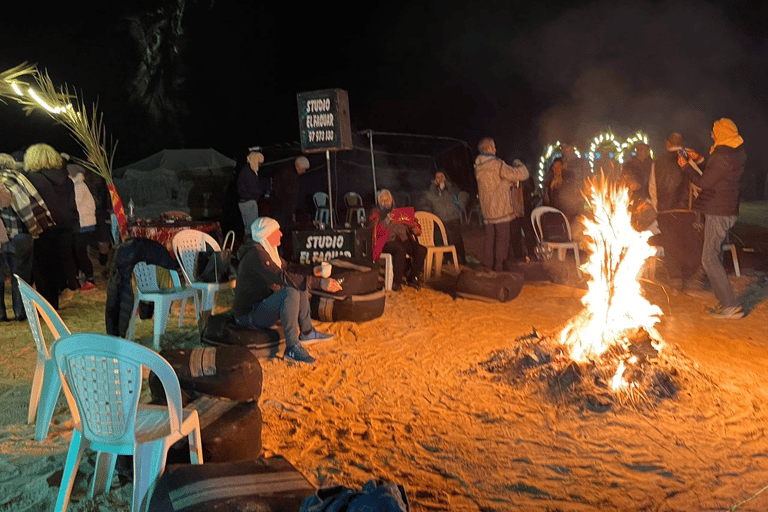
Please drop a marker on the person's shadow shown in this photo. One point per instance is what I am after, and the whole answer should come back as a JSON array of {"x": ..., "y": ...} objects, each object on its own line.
[{"x": 754, "y": 294}]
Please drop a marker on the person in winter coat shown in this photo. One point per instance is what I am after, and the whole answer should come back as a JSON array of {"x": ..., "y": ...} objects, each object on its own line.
[
  {"x": 442, "y": 199},
  {"x": 718, "y": 200},
  {"x": 54, "y": 265},
  {"x": 267, "y": 291},
  {"x": 494, "y": 181}
]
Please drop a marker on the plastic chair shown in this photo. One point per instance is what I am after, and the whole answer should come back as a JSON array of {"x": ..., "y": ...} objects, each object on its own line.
[
  {"x": 115, "y": 226},
  {"x": 389, "y": 275},
  {"x": 186, "y": 244},
  {"x": 102, "y": 378},
  {"x": 548, "y": 246},
  {"x": 148, "y": 290},
  {"x": 355, "y": 209},
  {"x": 435, "y": 253},
  {"x": 322, "y": 208},
  {"x": 46, "y": 384}
]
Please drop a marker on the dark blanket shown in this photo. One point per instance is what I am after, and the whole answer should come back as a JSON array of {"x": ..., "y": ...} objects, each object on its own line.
[{"x": 119, "y": 306}]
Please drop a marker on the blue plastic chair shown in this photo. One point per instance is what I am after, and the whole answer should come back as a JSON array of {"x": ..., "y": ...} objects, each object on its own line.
[{"x": 46, "y": 384}]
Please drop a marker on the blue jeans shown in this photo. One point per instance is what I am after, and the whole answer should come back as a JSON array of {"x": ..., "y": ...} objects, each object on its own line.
[
  {"x": 715, "y": 229},
  {"x": 288, "y": 304},
  {"x": 250, "y": 212},
  {"x": 17, "y": 253}
]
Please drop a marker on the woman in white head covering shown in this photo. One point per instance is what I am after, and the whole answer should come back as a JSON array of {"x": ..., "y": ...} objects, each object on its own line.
[{"x": 266, "y": 291}]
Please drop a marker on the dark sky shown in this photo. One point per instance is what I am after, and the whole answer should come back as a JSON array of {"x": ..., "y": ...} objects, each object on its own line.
[{"x": 527, "y": 73}]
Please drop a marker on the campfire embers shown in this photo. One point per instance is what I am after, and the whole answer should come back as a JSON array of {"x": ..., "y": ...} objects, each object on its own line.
[
  {"x": 632, "y": 373},
  {"x": 608, "y": 351}
]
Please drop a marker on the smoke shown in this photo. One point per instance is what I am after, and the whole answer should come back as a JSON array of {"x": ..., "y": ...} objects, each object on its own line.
[{"x": 640, "y": 65}]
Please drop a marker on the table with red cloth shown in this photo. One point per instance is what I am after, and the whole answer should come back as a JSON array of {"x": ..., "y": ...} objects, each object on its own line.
[{"x": 163, "y": 231}]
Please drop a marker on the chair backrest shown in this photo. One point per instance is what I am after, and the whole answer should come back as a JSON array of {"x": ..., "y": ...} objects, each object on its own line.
[
  {"x": 146, "y": 277},
  {"x": 102, "y": 378},
  {"x": 186, "y": 244},
  {"x": 353, "y": 199},
  {"x": 320, "y": 199},
  {"x": 428, "y": 221},
  {"x": 540, "y": 225},
  {"x": 115, "y": 229},
  {"x": 34, "y": 305}
]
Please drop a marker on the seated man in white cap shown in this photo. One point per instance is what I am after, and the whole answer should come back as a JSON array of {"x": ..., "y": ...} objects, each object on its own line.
[{"x": 266, "y": 291}]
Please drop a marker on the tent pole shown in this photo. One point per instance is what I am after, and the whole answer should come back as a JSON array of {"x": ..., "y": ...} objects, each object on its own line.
[
  {"x": 330, "y": 196},
  {"x": 373, "y": 165}
]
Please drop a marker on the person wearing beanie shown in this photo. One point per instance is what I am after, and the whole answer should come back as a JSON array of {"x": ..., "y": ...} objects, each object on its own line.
[
  {"x": 250, "y": 189},
  {"x": 718, "y": 200},
  {"x": 266, "y": 291}
]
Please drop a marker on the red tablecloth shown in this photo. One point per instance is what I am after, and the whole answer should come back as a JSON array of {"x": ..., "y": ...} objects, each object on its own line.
[{"x": 164, "y": 232}]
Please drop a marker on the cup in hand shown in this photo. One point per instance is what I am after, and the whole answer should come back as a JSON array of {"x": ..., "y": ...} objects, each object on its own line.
[{"x": 325, "y": 269}]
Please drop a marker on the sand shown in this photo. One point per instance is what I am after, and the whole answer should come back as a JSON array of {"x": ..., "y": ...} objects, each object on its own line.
[{"x": 404, "y": 398}]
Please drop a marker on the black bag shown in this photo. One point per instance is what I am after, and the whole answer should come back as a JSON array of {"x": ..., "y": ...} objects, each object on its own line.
[
  {"x": 221, "y": 330},
  {"x": 269, "y": 485},
  {"x": 488, "y": 285},
  {"x": 213, "y": 266}
]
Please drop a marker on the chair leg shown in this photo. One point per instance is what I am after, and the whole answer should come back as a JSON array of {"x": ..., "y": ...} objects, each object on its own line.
[
  {"x": 195, "y": 446},
  {"x": 438, "y": 264},
  {"x": 75, "y": 453},
  {"x": 37, "y": 389},
  {"x": 162, "y": 311},
  {"x": 735, "y": 258},
  {"x": 48, "y": 399},
  {"x": 132, "y": 322},
  {"x": 102, "y": 474},
  {"x": 148, "y": 465}
]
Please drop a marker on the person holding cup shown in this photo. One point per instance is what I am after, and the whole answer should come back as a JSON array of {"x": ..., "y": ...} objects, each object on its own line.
[{"x": 266, "y": 291}]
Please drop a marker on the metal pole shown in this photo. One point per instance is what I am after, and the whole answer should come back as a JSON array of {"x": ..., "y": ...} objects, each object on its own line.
[
  {"x": 373, "y": 165},
  {"x": 330, "y": 195}
]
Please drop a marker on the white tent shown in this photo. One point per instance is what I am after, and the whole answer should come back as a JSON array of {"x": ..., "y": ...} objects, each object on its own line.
[{"x": 163, "y": 181}]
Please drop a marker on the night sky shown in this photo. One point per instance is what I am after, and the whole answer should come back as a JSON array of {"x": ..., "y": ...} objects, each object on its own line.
[{"x": 526, "y": 73}]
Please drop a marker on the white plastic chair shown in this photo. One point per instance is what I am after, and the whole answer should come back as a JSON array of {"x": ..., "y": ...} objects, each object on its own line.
[
  {"x": 322, "y": 208},
  {"x": 186, "y": 244},
  {"x": 435, "y": 253},
  {"x": 148, "y": 290},
  {"x": 102, "y": 378},
  {"x": 549, "y": 246},
  {"x": 355, "y": 209},
  {"x": 46, "y": 383},
  {"x": 389, "y": 274},
  {"x": 729, "y": 246}
]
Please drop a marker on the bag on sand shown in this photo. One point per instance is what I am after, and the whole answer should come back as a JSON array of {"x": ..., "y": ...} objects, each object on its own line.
[{"x": 488, "y": 285}]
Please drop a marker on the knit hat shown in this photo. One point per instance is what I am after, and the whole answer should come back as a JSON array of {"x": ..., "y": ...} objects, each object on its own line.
[{"x": 725, "y": 133}]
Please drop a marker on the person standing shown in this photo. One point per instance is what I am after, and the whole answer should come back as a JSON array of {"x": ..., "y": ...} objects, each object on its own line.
[
  {"x": 494, "y": 180},
  {"x": 285, "y": 194},
  {"x": 266, "y": 291},
  {"x": 26, "y": 217},
  {"x": 250, "y": 189},
  {"x": 638, "y": 169},
  {"x": 442, "y": 199},
  {"x": 718, "y": 200},
  {"x": 54, "y": 264},
  {"x": 679, "y": 226}
]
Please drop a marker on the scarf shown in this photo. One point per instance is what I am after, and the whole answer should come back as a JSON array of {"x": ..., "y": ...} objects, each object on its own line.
[
  {"x": 725, "y": 133},
  {"x": 260, "y": 231}
]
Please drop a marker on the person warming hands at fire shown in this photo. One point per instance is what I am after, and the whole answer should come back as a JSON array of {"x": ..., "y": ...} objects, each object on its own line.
[{"x": 267, "y": 291}]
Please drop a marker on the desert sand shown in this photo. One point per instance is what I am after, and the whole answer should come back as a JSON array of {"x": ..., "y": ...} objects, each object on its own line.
[{"x": 405, "y": 398}]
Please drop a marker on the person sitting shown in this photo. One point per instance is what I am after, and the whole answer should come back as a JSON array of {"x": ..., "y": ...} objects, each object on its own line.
[
  {"x": 266, "y": 291},
  {"x": 442, "y": 199},
  {"x": 394, "y": 232}
]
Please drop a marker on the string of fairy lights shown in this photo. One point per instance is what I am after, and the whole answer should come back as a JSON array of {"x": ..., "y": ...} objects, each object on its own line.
[
  {"x": 65, "y": 108},
  {"x": 604, "y": 144}
]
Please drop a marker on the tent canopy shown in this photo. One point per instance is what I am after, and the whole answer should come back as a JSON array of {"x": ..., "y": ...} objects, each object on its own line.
[{"x": 194, "y": 162}]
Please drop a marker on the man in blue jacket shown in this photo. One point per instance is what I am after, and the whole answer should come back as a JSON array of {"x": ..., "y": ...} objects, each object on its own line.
[{"x": 719, "y": 202}]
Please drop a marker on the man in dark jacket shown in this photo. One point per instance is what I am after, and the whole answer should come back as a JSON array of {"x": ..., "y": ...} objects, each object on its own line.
[
  {"x": 267, "y": 291},
  {"x": 679, "y": 226},
  {"x": 718, "y": 200}
]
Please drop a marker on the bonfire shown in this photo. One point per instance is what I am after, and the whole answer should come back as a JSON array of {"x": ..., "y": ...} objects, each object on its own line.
[{"x": 611, "y": 350}]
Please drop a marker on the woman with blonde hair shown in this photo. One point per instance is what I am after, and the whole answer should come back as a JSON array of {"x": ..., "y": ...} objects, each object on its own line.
[{"x": 53, "y": 262}]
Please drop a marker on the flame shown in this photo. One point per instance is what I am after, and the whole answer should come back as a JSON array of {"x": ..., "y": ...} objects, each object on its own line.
[{"x": 614, "y": 304}]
